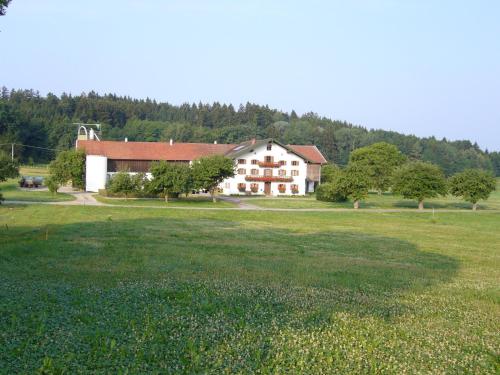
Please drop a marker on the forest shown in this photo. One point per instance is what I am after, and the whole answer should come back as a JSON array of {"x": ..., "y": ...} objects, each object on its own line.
[{"x": 46, "y": 124}]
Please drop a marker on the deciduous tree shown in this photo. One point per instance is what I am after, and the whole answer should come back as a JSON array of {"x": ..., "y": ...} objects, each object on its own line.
[
  {"x": 8, "y": 169},
  {"x": 472, "y": 185},
  {"x": 69, "y": 166},
  {"x": 419, "y": 180},
  {"x": 379, "y": 161},
  {"x": 209, "y": 172},
  {"x": 170, "y": 178}
]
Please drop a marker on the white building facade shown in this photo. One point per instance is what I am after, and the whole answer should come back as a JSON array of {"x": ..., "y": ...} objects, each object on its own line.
[
  {"x": 268, "y": 169},
  {"x": 263, "y": 167}
]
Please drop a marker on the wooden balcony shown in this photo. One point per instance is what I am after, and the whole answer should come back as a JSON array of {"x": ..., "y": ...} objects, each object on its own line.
[
  {"x": 269, "y": 164},
  {"x": 269, "y": 178}
]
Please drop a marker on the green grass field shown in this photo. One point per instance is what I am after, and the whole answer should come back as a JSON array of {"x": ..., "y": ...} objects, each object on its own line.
[
  {"x": 11, "y": 192},
  {"x": 114, "y": 290},
  {"x": 374, "y": 200},
  {"x": 182, "y": 202}
]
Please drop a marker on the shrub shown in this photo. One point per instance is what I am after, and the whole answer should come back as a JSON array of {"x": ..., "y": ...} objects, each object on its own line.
[
  {"x": 124, "y": 183},
  {"x": 330, "y": 192},
  {"x": 52, "y": 184}
]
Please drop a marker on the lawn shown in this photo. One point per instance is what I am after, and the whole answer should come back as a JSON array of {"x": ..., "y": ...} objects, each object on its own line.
[
  {"x": 113, "y": 290},
  {"x": 375, "y": 200},
  {"x": 182, "y": 202},
  {"x": 11, "y": 191}
]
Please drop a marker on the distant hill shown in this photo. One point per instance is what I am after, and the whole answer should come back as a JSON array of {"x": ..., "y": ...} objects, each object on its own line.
[{"x": 31, "y": 119}]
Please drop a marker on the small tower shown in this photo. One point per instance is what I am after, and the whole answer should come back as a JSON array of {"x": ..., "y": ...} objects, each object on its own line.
[{"x": 88, "y": 132}]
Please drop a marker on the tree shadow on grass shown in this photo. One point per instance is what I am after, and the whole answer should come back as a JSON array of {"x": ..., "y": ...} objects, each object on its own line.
[{"x": 178, "y": 295}]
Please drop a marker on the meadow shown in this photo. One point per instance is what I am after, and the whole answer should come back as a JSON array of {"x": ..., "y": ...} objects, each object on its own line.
[
  {"x": 374, "y": 200},
  {"x": 118, "y": 290}
]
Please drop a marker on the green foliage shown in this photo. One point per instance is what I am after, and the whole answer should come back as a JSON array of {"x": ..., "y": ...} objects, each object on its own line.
[
  {"x": 28, "y": 118},
  {"x": 330, "y": 192},
  {"x": 379, "y": 160},
  {"x": 330, "y": 173},
  {"x": 419, "y": 180},
  {"x": 8, "y": 168},
  {"x": 354, "y": 183},
  {"x": 69, "y": 166},
  {"x": 170, "y": 179},
  {"x": 472, "y": 185},
  {"x": 3, "y": 6},
  {"x": 209, "y": 172},
  {"x": 124, "y": 183},
  {"x": 51, "y": 184}
]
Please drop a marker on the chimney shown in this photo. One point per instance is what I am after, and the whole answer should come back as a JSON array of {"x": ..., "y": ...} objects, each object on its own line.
[
  {"x": 253, "y": 141},
  {"x": 171, "y": 141},
  {"x": 126, "y": 139},
  {"x": 215, "y": 142}
]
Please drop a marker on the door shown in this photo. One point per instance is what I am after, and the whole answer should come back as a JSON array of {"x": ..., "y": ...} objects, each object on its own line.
[{"x": 267, "y": 188}]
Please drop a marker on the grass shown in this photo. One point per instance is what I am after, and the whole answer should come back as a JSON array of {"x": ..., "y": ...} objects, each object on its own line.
[
  {"x": 36, "y": 170},
  {"x": 182, "y": 202},
  {"x": 11, "y": 192},
  {"x": 113, "y": 290},
  {"x": 375, "y": 200}
]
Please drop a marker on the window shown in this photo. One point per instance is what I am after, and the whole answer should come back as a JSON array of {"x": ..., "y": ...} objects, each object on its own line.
[
  {"x": 295, "y": 172},
  {"x": 242, "y": 161},
  {"x": 268, "y": 172},
  {"x": 282, "y": 162},
  {"x": 242, "y": 186},
  {"x": 254, "y": 172},
  {"x": 294, "y": 188},
  {"x": 254, "y": 188},
  {"x": 242, "y": 171},
  {"x": 255, "y": 161},
  {"x": 227, "y": 185},
  {"x": 269, "y": 147},
  {"x": 268, "y": 159},
  {"x": 281, "y": 188},
  {"x": 282, "y": 172},
  {"x": 295, "y": 162}
]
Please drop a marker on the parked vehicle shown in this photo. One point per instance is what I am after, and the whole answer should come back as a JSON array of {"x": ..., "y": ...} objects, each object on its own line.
[{"x": 31, "y": 181}]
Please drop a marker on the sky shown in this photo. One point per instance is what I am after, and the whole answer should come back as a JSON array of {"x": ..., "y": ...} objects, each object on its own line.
[{"x": 423, "y": 67}]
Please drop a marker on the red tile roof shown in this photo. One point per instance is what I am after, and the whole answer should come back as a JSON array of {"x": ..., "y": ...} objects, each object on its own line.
[
  {"x": 310, "y": 152},
  {"x": 152, "y": 150},
  {"x": 177, "y": 151}
]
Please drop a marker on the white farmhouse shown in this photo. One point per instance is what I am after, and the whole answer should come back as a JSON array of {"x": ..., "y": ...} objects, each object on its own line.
[{"x": 265, "y": 167}]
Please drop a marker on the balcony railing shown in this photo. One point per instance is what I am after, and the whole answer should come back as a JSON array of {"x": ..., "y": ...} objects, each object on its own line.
[
  {"x": 268, "y": 164},
  {"x": 269, "y": 178}
]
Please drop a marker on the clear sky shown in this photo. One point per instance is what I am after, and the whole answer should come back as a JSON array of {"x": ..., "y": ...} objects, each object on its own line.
[{"x": 425, "y": 67}]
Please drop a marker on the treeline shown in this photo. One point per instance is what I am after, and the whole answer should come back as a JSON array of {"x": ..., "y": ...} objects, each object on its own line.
[{"x": 28, "y": 118}]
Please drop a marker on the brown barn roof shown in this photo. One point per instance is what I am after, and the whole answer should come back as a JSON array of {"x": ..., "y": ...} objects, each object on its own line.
[
  {"x": 152, "y": 150},
  {"x": 309, "y": 152}
]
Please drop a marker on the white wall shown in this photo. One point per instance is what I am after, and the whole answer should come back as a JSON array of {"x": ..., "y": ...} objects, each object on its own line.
[
  {"x": 259, "y": 153},
  {"x": 96, "y": 172}
]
